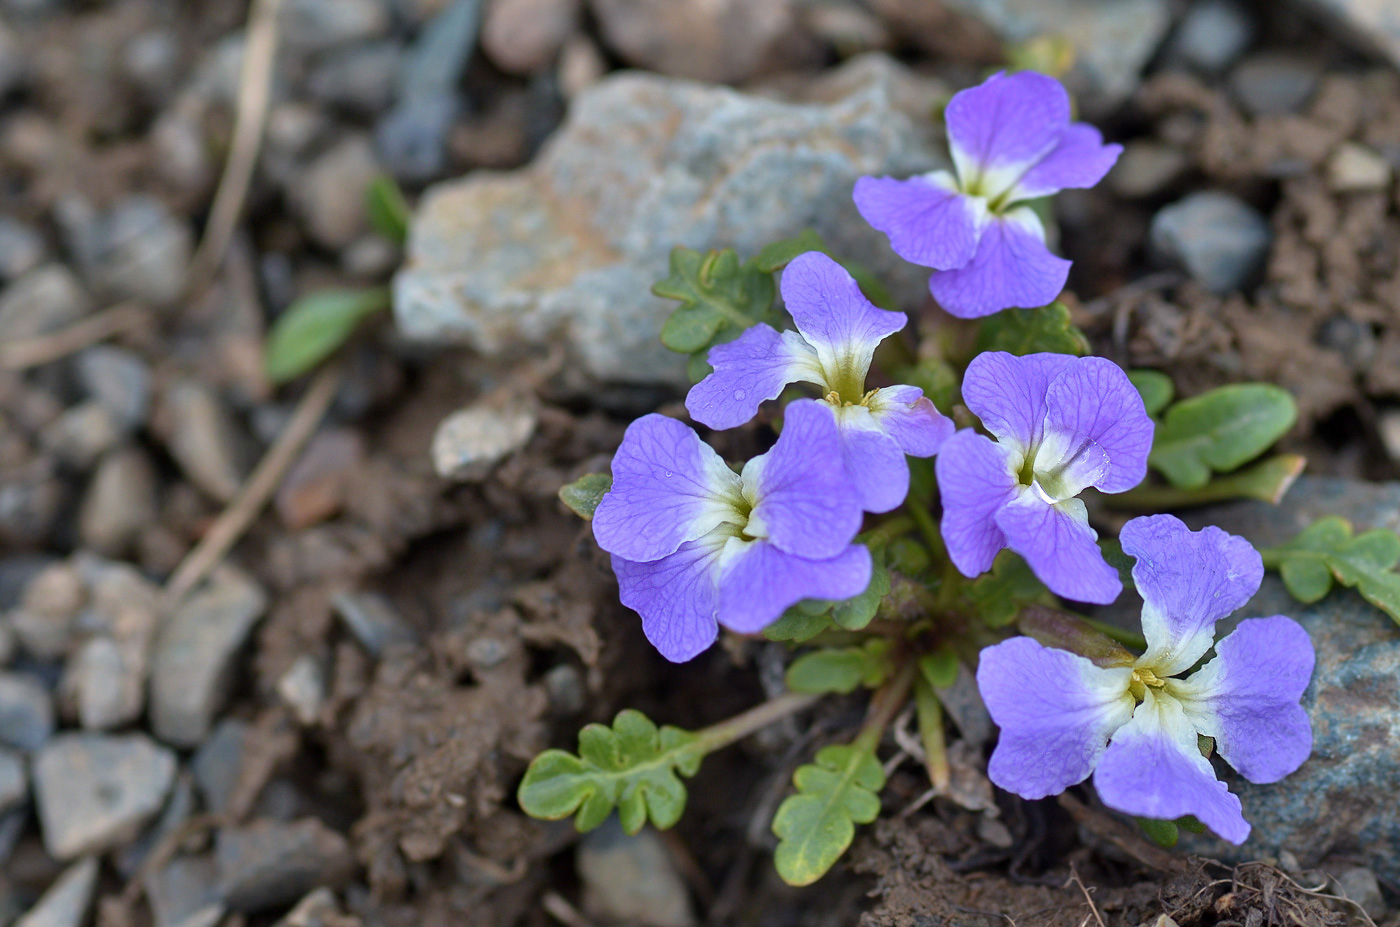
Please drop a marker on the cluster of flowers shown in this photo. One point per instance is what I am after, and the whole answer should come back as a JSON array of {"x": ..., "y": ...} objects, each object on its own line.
[{"x": 696, "y": 545}]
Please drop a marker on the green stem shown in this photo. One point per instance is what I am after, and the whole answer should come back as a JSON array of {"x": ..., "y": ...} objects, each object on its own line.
[
  {"x": 1266, "y": 481},
  {"x": 885, "y": 704},
  {"x": 888, "y": 530},
  {"x": 928, "y": 528},
  {"x": 1123, "y": 636},
  {"x": 930, "y": 712},
  {"x": 718, "y": 736}
]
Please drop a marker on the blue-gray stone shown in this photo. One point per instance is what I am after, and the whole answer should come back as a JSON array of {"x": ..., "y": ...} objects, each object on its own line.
[
  {"x": 26, "y": 712},
  {"x": 1275, "y": 83},
  {"x": 1219, "y": 239},
  {"x": 1212, "y": 35},
  {"x": 22, "y": 248},
  {"x": 1342, "y": 801},
  {"x": 1372, "y": 24}
]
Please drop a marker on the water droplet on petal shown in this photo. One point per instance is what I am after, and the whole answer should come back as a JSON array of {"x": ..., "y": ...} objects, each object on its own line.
[
  {"x": 739, "y": 395},
  {"x": 668, "y": 474}
]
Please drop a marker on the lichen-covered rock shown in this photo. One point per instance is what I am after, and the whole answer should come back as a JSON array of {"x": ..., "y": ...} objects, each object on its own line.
[
  {"x": 1342, "y": 801},
  {"x": 570, "y": 246}
]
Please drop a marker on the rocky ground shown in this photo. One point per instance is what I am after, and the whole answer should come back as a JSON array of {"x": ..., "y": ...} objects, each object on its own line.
[{"x": 328, "y": 728}]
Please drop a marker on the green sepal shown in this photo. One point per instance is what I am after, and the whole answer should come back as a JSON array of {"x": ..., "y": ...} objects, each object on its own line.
[
  {"x": 1163, "y": 833},
  {"x": 716, "y": 292},
  {"x": 998, "y": 596},
  {"x": 855, "y": 614},
  {"x": 841, "y": 669},
  {"x": 1032, "y": 331},
  {"x": 798, "y": 626},
  {"x": 632, "y": 766},
  {"x": 583, "y": 494},
  {"x": 814, "y": 827},
  {"x": 1154, "y": 387},
  {"x": 388, "y": 211},
  {"x": 1219, "y": 431},
  {"x": 1328, "y": 551},
  {"x": 1190, "y": 824},
  {"x": 313, "y": 327},
  {"x": 940, "y": 668}
]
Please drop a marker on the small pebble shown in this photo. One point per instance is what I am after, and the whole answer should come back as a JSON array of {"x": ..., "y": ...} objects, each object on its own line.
[
  {"x": 181, "y": 889},
  {"x": 119, "y": 379},
  {"x": 564, "y": 684},
  {"x": 1274, "y": 83},
  {"x": 303, "y": 689},
  {"x": 471, "y": 442},
  {"x": 1389, "y": 428},
  {"x": 137, "y": 249},
  {"x": 631, "y": 879},
  {"x": 217, "y": 762},
  {"x": 204, "y": 440},
  {"x": 21, "y": 248},
  {"x": 329, "y": 198},
  {"x": 66, "y": 902},
  {"x": 14, "y": 781},
  {"x": 581, "y": 65},
  {"x": 1212, "y": 36},
  {"x": 1219, "y": 239},
  {"x": 373, "y": 621},
  {"x": 26, "y": 712},
  {"x": 120, "y": 502},
  {"x": 1361, "y": 886},
  {"x": 81, "y": 434},
  {"x": 315, "y": 487},
  {"x": 268, "y": 864},
  {"x": 524, "y": 36},
  {"x": 1355, "y": 168},
  {"x": 320, "y": 25},
  {"x": 1146, "y": 168},
  {"x": 358, "y": 79},
  {"x": 45, "y": 299},
  {"x": 47, "y": 611}
]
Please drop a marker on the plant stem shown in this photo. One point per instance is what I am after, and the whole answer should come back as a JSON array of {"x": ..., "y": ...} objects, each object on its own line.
[
  {"x": 718, "y": 736},
  {"x": 885, "y": 704},
  {"x": 895, "y": 527},
  {"x": 1122, "y": 635},
  {"x": 1266, "y": 481},
  {"x": 928, "y": 528},
  {"x": 930, "y": 712}
]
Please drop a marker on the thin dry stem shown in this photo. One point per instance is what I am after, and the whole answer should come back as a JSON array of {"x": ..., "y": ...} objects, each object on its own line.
[{"x": 24, "y": 353}]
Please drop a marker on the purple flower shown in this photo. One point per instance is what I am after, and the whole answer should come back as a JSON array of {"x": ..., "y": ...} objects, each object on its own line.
[
  {"x": 1135, "y": 726},
  {"x": 1062, "y": 423},
  {"x": 837, "y": 332},
  {"x": 1011, "y": 141},
  {"x": 696, "y": 545}
]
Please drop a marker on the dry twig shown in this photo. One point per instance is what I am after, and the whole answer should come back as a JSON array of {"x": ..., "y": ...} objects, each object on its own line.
[
  {"x": 562, "y": 911},
  {"x": 24, "y": 353},
  {"x": 1120, "y": 835}
]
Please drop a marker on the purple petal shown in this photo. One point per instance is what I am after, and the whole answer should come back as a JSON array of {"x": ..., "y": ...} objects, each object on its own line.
[
  {"x": 669, "y": 487},
  {"x": 1000, "y": 129},
  {"x": 1188, "y": 580},
  {"x": 911, "y": 418},
  {"x": 1012, "y": 269},
  {"x": 1154, "y": 769},
  {"x": 836, "y": 319},
  {"x": 676, "y": 596},
  {"x": 747, "y": 371},
  {"x": 761, "y": 582},
  {"x": 1247, "y": 697},
  {"x": 974, "y": 481},
  {"x": 873, "y": 460},
  {"x": 927, "y": 220},
  {"x": 1008, "y": 393},
  {"x": 1059, "y": 546},
  {"x": 1056, "y": 711},
  {"x": 1101, "y": 425},
  {"x": 1079, "y": 161},
  {"x": 803, "y": 500}
]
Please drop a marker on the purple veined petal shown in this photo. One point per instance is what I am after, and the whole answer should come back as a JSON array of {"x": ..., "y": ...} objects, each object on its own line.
[
  {"x": 1079, "y": 161},
  {"x": 1008, "y": 394},
  {"x": 1153, "y": 769},
  {"x": 911, "y": 418},
  {"x": 873, "y": 460},
  {"x": 1247, "y": 697},
  {"x": 975, "y": 479},
  {"x": 677, "y": 596},
  {"x": 1188, "y": 580},
  {"x": 1012, "y": 269},
  {"x": 1056, "y": 711},
  {"x": 928, "y": 220},
  {"x": 758, "y": 582},
  {"x": 803, "y": 501},
  {"x": 836, "y": 319},
  {"x": 669, "y": 487},
  {"x": 1059, "y": 547},
  {"x": 1001, "y": 129},
  {"x": 1096, "y": 428},
  {"x": 749, "y": 370}
]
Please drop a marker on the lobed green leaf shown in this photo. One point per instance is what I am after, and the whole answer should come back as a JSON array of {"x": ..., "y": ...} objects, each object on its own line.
[
  {"x": 583, "y": 494},
  {"x": 814, "y": 827},
  {"x": 940, "y": 668},
  {"x": 840, "y": 670},
  {"x": 313, "y": 327},
  {"x": 999, "y": 595},
  {"x": 1219, "y": 431},
  {"x": 717, "y": 294},
  {"x": 632, "y": 766},
  {"x": 1031, "y": 331},
  {"x": 1328, "y": 551}
]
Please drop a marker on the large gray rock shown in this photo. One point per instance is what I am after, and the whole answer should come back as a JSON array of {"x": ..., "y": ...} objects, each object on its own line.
[
  {"x": 26, "y": 712},
  {"x": 1342, "y": 801},
  {"x": 570, "y": 247},
  {"x": 1375, "y": 23},
  {"x": 66, "y": 902},
  {"x": 1219, "y": 239},
  {"x": 267, "y": 864}
]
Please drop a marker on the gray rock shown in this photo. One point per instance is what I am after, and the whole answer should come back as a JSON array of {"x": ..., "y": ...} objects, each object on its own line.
[
  {"x": 217, "y": 763},
  {"x": 373, "y": 621},
  {"x": 525, "y": 36},
  {"x": 570, "y": 247},
  {"x": 1146, "y": 168},
  {"x": 119, "y": 379},
  {"x": 329, "y": 198},
  {"x": 12, "y": 65},
  {"x": 47, "y": 611},
  {"x": 21, "y": 247},
  {"x": 66, "y": 902},
  {"x": 120, "y": 502},
  {"x": 631, "y": 879},
  {"x": 194, "y": 656},
  {"x": 359, "y": 79},
  {"x": 1274, "y": 83},
  {"x": 319, "y": 25},
  {"x": 95, "y": 791},
  {"x": 1342, "y": 799},
  {"x": 1219, "y": 239},
  {"x": 136, "y": 250},
  {"x": 29, "y": 7},
  {"x": 303, "y": 689},
  {"x": 26, "y": 712},
  {"x": 567, "y": 695},
  {"x": 81, "y": 434},
  {"x": 181, "y": 889},
  {"x": 1113, "y": 39},
  {"x": 268, "y": 864},
  {"x": 179, "y": 807},
  {"x": 316, "y": 909},
  {"x": 724, "y": 41},
  {"x": 9, "y": 641},
  {"x": 1361, "y": 886},
  {"x": 203, "y": 438},
  {"x": 1354, "y": 167},
  {"x": 151, "y": 60},
  {"x": 470, "y": 442},
  {"x": 1373, "y": 23},
  {"x": 1212, "y": 35},
  {"x": 14, "y": 781},
  {"x": 46, "y": 298}
]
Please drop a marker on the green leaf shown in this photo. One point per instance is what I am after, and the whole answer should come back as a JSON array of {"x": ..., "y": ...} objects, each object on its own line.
[
  {"x": 716, "y": 294},
  {"x": 583, "y": 494},
  {"x": 313, "y": 327},
  {"x": 632, "y": 766},
  {"x": 1162, "y": 833},
  {"x": 1155, "y": 388},
  {"x": 388, "y": 210},
  {"x": 1266, "y": 481},
  {"x": 840, "y": 670},
  {"x": 1327, "y": 551},
  {"x": 1190, "y": 825},
  {"x": 1030, "y": 331},
  {"x": 797, "y": 626},
  {"x": 940, "y": 668},
  {"x": 1220, "y": 431},
  {"x": 815, "y": 826},
  {"x": 856, "y": 614},
  {"x": 780, "y": 253},
  {"x": 999, "y": 596},
  {"x": 908, "y": 556},
  {"x": 937, "y": 378}
]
